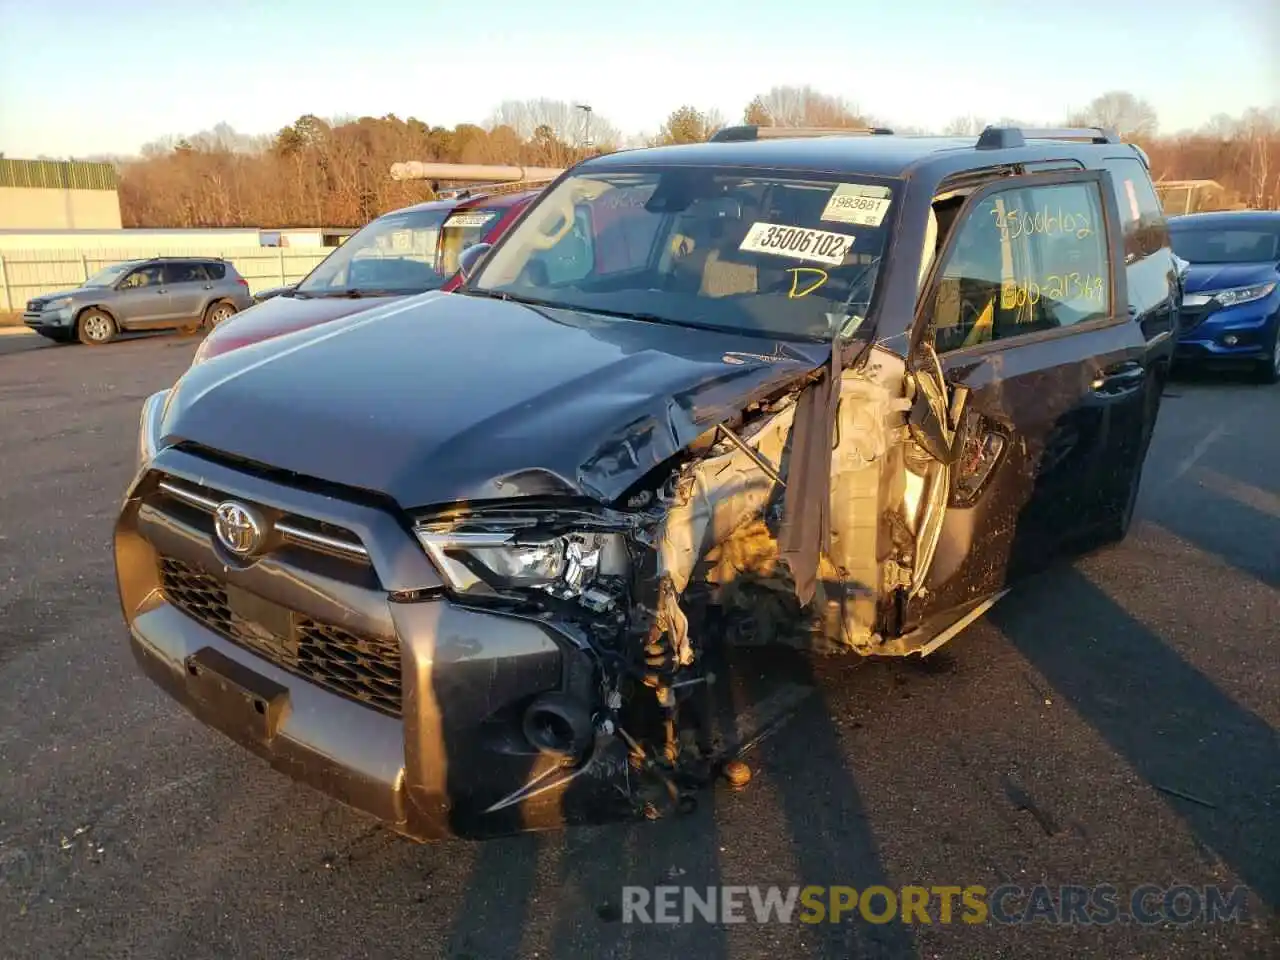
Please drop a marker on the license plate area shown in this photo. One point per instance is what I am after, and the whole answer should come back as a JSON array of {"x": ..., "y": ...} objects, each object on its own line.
[
  {"x": 245, "y": 704},
  {"x": 263, "y": 625}
]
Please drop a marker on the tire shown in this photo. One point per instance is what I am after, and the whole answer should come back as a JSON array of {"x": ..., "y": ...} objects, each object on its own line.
[
  {"x": 94, "y": 327},
  {"x": 1269, "y": 372},
  {"x": 217, "y": 312}
]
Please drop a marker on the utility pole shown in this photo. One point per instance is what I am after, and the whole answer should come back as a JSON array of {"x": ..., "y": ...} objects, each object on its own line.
[{"x": 586, "y": 112}]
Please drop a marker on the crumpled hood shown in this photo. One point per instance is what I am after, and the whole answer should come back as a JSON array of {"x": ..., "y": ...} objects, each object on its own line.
[
  {"x": 447, "y": 397},
  {"x": 1211, "y": 277},
  {"x": 281, "y": 315}
]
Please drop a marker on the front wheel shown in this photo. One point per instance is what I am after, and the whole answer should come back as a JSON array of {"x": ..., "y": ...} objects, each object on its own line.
[
  {"x": 95, "y": 328},
  {"x": 216, "y": 313}
]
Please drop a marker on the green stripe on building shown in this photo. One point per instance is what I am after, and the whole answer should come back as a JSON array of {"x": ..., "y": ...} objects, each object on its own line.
[{"x": 57, "y": 174}]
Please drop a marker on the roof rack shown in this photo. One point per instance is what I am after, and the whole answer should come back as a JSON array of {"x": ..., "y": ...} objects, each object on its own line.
[
  {"x": 746, "y": 132},
  {"x": 1005, "y": 138},
  {"x": 487, "y": 189},
  {"x": 166, "y": 256}
]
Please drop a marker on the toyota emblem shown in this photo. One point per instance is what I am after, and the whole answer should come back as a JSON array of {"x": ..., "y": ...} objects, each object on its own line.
[{"x": 239, "y": 528}]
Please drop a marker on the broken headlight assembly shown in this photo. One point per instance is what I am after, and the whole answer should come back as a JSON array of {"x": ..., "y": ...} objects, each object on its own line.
[{"x": 476, "y": 561}]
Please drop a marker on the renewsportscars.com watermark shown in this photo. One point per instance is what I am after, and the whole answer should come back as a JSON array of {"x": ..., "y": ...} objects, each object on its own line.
[{"x": 1102, "y": 904}]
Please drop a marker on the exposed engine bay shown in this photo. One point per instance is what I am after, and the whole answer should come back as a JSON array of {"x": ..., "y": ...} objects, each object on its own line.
[{"x": 691, "y": 556}]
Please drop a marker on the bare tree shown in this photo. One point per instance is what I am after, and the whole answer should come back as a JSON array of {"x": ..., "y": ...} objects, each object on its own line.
[
  {"x": 567, "y": 121},
  {"x": 1129, "y": 116},
  {"x": 801, "y": 107},
  {"x": 966, "y": 126}
]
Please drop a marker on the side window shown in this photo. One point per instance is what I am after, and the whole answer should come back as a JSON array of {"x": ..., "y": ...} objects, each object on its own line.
[
  {"x": 182, "y": 272},
  {"x": 216, "y": 270},
  {"x": 143, "y": 277},
  {"x": 1026, "y": 259},
  {"x": 1148, "y": 253}
]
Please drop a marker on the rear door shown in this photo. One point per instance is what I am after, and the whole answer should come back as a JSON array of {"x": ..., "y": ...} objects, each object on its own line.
[
  {"x": 1029, "y": 324},
  {"x": 189, "y": 284}
]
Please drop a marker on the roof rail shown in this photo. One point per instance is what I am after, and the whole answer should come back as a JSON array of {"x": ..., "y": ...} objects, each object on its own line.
[
  {"x": 746, "y": 132},
  {"x": 1005, "y": 138},
  {"x": 486, "y": 189}
]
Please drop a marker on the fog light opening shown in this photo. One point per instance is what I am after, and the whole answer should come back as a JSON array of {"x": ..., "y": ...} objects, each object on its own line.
[
  {"x": 1230, "y": 340},
  {"x": 559, "y": 726}
]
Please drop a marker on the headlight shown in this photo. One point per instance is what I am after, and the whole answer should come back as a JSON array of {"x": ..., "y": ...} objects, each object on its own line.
[
  {"x": 482, "y": 562},
  {"x": 58, "y": 304},
  {"x": 149, "y": 427},
  {"x": 1238, "y": 295}
]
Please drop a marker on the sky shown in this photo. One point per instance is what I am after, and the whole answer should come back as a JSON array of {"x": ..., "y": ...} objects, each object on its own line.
[{"x": 88, "y": 77}]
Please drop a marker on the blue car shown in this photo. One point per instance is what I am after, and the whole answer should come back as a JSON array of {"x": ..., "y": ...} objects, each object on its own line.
[{"x": 1231, "y": 300}]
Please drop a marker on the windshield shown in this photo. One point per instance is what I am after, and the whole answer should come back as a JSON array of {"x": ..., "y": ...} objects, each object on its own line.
[
  {"x": 461, "y": 230},
  {"x": 107, "y": 275},
  {"x": 759, "y": 253},
  {"x": 394, "y": 254},
  {"x": 1230, "y": 245}
]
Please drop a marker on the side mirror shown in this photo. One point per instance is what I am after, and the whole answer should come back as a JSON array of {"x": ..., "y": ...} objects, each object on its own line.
[{"x": 470, "y": 258}]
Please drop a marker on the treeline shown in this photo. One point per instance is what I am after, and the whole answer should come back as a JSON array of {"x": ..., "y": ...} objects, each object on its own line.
[{"x": 335, "y": 172}]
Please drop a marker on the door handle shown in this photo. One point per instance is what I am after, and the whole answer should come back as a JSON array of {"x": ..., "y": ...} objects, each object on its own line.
[{"x": 1120, "y": 379}]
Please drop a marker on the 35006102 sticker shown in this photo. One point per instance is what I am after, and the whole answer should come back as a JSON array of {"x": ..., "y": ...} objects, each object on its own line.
[{"x": 797, "y": 243}]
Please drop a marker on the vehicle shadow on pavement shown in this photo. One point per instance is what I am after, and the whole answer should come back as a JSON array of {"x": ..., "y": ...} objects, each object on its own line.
[
  {"x": 825, "y": 828},
  {"x": 1213, "y": 761},
  {"x": 1239, "y": 534}
]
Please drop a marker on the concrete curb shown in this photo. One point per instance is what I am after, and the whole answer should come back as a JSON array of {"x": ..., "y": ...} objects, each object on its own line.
[{"x": 16, "y": 331}]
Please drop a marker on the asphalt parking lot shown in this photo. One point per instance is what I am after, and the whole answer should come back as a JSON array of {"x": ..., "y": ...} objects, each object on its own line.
[{"x": 1113, "y": 722}]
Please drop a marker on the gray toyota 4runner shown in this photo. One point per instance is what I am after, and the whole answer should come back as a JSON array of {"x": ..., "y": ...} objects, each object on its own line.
[
  {"x": 161, "y": 293},
  {"x": 463, "y": 561}
]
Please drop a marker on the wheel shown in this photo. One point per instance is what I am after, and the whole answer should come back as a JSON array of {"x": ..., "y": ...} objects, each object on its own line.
[
  {"x": 216, "y": 312},
  {"x": 1269, "y": 371},
  {"x": 95, "y": 327}
]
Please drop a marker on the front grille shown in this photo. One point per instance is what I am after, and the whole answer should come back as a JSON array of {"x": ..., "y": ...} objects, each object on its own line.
[
  {"x": 361, "y": 668},
  {"x": 305, "y": 532}
]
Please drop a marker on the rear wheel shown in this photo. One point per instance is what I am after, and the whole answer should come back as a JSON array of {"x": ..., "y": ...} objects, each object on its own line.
[
  {"x": 95, "y": 328},
  {"x": 216, "y": 313}
]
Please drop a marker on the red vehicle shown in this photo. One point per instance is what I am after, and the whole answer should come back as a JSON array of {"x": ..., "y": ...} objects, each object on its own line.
[{"x": 400, "y": 254}]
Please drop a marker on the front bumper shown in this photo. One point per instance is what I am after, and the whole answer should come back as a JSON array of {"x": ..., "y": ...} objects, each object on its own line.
[
  {"x": 50, "y": 321},
  {"x": 428, "y": 742},
  {"x": 1230, "y": 335}
]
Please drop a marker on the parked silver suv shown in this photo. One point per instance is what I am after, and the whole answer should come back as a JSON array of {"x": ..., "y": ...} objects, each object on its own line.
[{"x": 156, "y": 294}]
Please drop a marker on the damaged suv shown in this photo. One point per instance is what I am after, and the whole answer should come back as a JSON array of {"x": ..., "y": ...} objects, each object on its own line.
[{"x": 459, "y": 560}]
